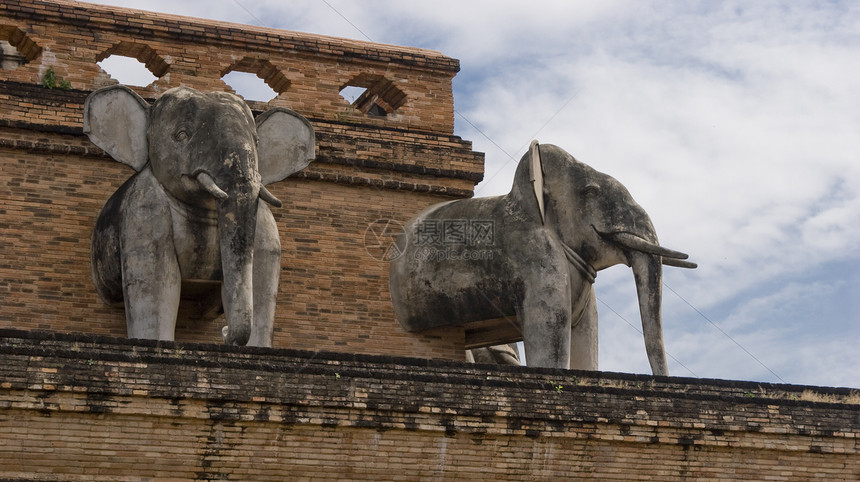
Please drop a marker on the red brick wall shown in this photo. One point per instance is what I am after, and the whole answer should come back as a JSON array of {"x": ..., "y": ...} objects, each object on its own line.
[
  {"x": 333, "y": 294},
  {"x": 75, "y": 408}
]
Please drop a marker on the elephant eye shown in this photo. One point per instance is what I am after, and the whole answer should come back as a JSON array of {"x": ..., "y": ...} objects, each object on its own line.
[
  {"x": 591, "y": 190},
  {"x": 180, "y": 135}
]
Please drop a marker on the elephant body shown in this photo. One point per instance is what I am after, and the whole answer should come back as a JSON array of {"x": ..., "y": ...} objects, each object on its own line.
[
  {"x": 561, "y": 223},
  {"x": 179, "y": 239},
  {"x": 191, "y": 218}
]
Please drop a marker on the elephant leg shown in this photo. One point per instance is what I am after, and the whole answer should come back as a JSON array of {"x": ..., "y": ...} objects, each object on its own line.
[
  {"x": 267, "y": 269},
  {"x": 151, "y": 276},
  {"x": 545, "y": 315},
  {"x": 583, "y": 337}
]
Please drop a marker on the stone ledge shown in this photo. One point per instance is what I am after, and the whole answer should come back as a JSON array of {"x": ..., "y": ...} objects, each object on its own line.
[
  {"x": 667, "y": 400},
  {"x": 75, "y": 406}
]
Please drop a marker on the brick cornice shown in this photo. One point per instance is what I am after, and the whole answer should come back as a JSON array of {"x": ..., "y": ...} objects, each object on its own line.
[
  {"x": 83, "y": 150},
  {"x": 323, "y": 158}
]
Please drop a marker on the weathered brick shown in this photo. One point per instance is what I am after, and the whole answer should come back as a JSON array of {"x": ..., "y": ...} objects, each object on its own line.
[{"x": 119, "y": 408}]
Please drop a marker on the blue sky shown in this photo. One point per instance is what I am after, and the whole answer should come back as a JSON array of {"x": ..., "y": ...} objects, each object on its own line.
[{"x": 735, "y": 124}]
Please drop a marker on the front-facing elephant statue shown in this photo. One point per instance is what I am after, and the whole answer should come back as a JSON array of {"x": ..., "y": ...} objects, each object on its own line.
[
  {"x": 533, "y": 253},
  {"x": 191, "y": 217}
]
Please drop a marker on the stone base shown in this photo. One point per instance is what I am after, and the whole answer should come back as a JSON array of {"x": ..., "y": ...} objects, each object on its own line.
[{"x": 75, "y": 407}]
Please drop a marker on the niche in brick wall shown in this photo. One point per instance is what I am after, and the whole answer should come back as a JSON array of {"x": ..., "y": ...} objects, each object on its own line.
[
  {"x": 373, "y": 94},
  {"x": 16, "y": 48},
  {"x": 249, "y": 86},
  {"x": 132, "y": 64},
  {"x": 127, "y": 70},
  {"x": 255, "y": 79},
  {"x": 10, "y": 58}
]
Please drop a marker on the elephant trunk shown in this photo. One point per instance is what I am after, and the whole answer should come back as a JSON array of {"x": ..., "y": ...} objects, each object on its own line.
[
  {"x": 648, "y": 273},
  {"x": 237, "y": 223}
]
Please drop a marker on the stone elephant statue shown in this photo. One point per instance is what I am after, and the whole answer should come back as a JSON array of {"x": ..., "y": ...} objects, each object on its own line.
[
  {"x": 506, "y": 354},
  {"x": 190, "y": 220},
  {"x": 561, "y": 223}
]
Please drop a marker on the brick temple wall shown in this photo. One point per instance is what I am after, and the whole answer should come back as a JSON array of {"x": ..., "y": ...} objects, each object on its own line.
[
  {"x": 80, "y": 407},
  {"x": 333, "y": 292}
]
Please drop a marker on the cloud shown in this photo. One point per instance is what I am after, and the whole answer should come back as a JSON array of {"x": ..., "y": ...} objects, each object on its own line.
[{"x": 739, "y": 150}]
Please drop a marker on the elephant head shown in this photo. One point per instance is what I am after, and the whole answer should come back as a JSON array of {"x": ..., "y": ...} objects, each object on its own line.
[
  {"x": 208, "y": 158},
  {"x": 599, "y": 225}
]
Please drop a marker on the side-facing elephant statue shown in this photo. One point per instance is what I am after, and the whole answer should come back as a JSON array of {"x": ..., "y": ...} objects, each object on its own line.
[
  {"x": 191, "y": 217},
  {"x": 561, "y": 223}
]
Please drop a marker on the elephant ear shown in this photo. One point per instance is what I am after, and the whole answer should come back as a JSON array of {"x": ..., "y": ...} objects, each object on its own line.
[
  {"x": 536, "y": 177},
  {"x": 286, "y": 144},
  {"x": 116, "y": 119}
]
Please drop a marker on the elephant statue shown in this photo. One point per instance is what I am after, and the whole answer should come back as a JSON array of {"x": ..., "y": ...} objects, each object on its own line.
[
  {"x": 533, "y": 254},
  {"x": 506, "y": 354},
  {"x": 190, "y": 220}
]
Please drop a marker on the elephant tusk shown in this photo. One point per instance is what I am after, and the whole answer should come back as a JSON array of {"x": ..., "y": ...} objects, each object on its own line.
[
  {"x": 209, "y": 185},
  {"x": 635, "y": 242},
  {"x": 679, "y": 263},
  {"x": 270, "y": 198}
]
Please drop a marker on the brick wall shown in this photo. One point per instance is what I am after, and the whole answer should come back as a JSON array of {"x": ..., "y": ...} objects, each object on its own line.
[
  {"x": 80, "y": 407},
  {"x": 333, "y": 292},
  {"x": 310, "y": 69}
]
